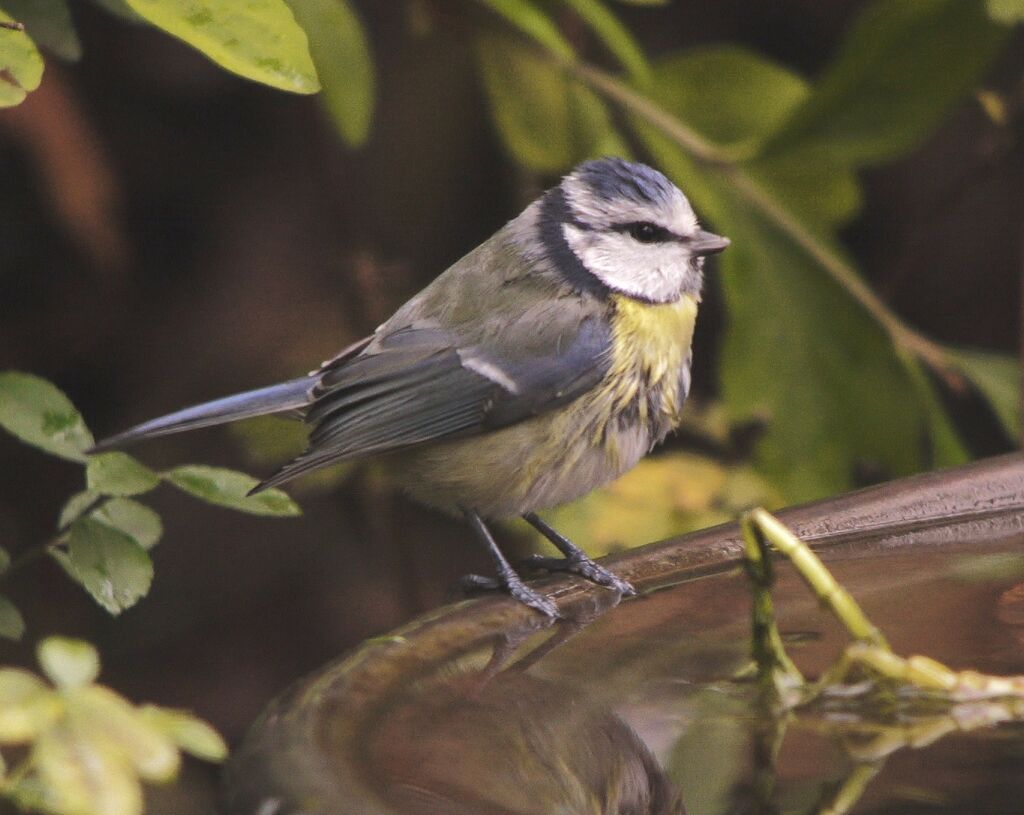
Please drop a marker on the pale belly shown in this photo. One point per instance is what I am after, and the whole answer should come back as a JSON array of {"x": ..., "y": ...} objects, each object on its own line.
[{"x": 543, "y": 462}]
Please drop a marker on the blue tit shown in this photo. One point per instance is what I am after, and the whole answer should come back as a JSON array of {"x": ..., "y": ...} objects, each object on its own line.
[{"x": 543, "y": 364}]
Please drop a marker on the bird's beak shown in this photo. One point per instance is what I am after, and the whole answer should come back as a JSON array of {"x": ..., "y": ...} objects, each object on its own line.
[{"x": 708, "y": 243}]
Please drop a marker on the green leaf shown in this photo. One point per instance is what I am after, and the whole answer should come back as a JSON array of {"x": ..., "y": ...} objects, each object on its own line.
[
  {"x": 798, "y": 351},
  {"x": 947, "y": 448},
  {"x": 534, "y": 23},
  {"x": 727, "y": 93},
  {"x": 101, "y": 714},
  {"x": 753, "y": 97},
  {"x": 39, "y": 414},
  {"x": 228, "y": 488},
  {"x": 812, "y": 184},
  {"x": 27, "y": 706},
  {"x": 997, "y": 377},
  {"x": 257, "y": 39},
  {"x": 802, "y": 353},
  {"x": 21, "y": 66},
  {"x": 121, "y": 10},
  {"x": 132, "y": 518},
  {"x": 1006, "y": 11},
  {"x": 662, "y": 496},
  {"x": 68, "y": 663},
  {"x": 136, "y": 520},
  {"x": 900, "y": 69},
  {"x": 119, "y": 474},
  {"x": 12, "y": 624},
  {"x": 49, "y": 23},
  {"x": 189, "y": 732},
  {"x": 76, "y": 506},
  {"x": 343, "y": 61},
  {"x": 615, "y": 36},
  {"x": 85, "y": 775},
  {"x": 108, "y": 563},
  {"x": 547, "y": 121}
]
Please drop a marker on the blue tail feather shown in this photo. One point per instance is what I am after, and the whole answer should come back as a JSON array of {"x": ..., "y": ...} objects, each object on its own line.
[{"x": 279, "y": 398}]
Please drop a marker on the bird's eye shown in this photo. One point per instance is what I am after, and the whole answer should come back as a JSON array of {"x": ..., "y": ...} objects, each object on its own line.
[{"x": 646, "y": 232}]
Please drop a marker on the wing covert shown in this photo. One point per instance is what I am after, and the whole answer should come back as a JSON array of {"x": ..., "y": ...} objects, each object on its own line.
[{"x": 418, "y": 383}]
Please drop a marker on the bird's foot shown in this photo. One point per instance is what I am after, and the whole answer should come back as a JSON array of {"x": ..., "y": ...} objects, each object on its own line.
[
  {"x": 584, "y": 567},
  {"x": 475, "y": 583}
]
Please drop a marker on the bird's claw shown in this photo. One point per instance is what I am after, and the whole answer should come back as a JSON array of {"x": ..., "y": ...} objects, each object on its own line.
[
  {"x": 585, "y": 568},
  {"x": 475, "y": 583}
]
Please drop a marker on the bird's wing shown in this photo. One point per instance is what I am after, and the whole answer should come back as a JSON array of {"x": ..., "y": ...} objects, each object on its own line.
[{"x": 424, "y": 380}]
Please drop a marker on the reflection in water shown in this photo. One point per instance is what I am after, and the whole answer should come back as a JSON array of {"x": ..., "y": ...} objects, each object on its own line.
[
  {"x": 512, "y": 743},
  {"x": 638, "y": 709}
]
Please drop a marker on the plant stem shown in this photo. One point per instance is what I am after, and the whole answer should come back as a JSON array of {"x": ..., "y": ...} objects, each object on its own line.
[
  {"x": 33, "y": 553},
  {"x": 817, "y": 577}
]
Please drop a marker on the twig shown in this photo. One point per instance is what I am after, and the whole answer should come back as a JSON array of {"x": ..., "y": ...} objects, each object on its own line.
[
  {"x": 33, "y": 553},
  {"x": 12, "y": 25}
]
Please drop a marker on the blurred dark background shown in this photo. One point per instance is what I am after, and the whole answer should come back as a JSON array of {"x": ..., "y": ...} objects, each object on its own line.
[{"x": 170, "y": 233}]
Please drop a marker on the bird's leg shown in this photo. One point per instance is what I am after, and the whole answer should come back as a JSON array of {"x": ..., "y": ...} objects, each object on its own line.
[
  {"x": 507, "y": 577},
  {"x": 575, "y": 560}
]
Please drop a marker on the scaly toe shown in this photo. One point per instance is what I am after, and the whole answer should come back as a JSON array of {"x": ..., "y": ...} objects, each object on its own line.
[
  {"x": 476, "y": 583},
  {"x": 535, "y": 600},
  {"x": 585, "y": 568}
]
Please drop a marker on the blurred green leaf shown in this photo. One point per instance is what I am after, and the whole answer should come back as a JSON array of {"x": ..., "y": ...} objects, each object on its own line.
[
  {"x": 68, "y": 663},
  {"x": 134, "y": 519},
  {"x": 5, "y": 560},
  {"x": 257, "y": 39},
  {"x": 38, "y": 413},
  {"x": 269, "y": 440},
  {"x": 798, "y": 351},
  {"x": 103, "y": 715},
  {"x": 27, "y": 706},
  {"x": 899, "y": 70},
  {"x": 802, "y": 353},
  {"x": 1006, "y": 11},
  {"x": 752, "y": 96},
  {"x": 84, "y": 776},
  {"x": 997, "y": 377},
  {"x": 119, "y": 474},
  {"x": 947, "y": 448},
  {"x": 120, "y": 9},
  {"x": 525, "y": 16},
  {"x": 49, "y": 23},
  {"x": 12, "y": 624},
  {"x": 21, "y": 66},
  {"x": 108, "y": 563},
  {"x": 228, "y": 488},
  {"x": 190, "y": 733},
  {"x": 615, "y": 36},
  {"x": 547, "y": 121},
  {"x": 811, "y": 184},
  {"x": 341, "y": 53},
  {"x": 660, "y": 497}
]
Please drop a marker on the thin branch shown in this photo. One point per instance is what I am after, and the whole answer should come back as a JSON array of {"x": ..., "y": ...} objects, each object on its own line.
[
  {"x": 12, "y": 25},
  {"x": 33, "y": 553}
]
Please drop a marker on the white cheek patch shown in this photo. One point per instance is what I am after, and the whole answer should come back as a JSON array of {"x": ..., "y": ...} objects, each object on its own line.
[{"x": 654, "y": 271}]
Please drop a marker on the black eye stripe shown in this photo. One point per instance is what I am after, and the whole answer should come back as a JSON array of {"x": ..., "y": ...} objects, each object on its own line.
[{"x": 646, "y": 232}]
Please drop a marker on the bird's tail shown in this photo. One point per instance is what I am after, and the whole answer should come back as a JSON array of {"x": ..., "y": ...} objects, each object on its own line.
[{"x": 285, "y": 396}]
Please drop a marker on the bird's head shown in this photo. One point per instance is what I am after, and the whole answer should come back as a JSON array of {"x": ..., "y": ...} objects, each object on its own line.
[{"x": 625, "y": 227}]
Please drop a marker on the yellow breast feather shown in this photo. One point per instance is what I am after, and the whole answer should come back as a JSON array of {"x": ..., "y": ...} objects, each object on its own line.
[{"x": 650, "y": 344}]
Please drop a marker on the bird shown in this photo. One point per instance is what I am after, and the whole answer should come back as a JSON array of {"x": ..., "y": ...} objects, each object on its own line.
[{"x": 541, "y": 365}]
